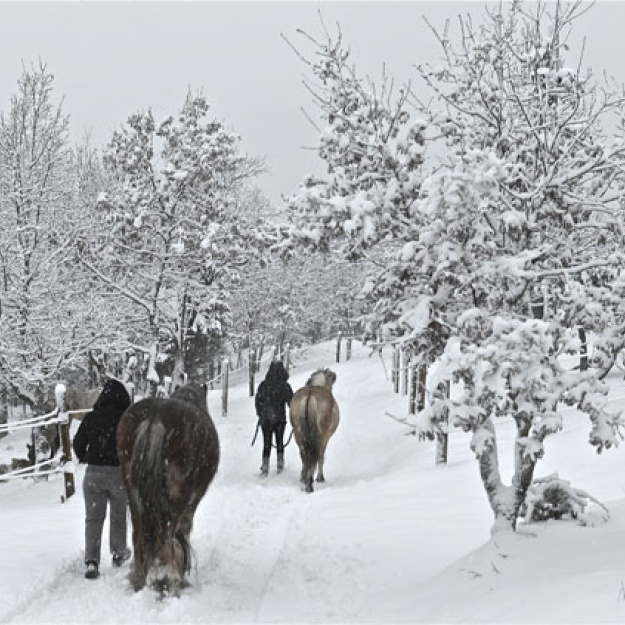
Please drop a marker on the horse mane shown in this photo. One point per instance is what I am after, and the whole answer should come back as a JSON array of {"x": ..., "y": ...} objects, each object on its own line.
[
  {"x": 322, "y": 377},
  {"x": 191, "y": 394}
]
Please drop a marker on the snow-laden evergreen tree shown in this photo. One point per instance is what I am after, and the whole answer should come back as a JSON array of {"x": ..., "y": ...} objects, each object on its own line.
[
  {"x": 175, "y": 241},
  {"x": 44, "y": 324},
  {"x": 523, "y": 207}
]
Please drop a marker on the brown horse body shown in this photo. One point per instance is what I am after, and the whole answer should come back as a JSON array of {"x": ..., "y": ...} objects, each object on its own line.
[
  {"x": 169, "y": 452},
  {"x": 314, "y": 417}
]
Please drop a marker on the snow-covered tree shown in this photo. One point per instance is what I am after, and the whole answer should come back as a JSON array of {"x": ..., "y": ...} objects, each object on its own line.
[
  {"x": 44, "y": 319},
  {"x": 531, "y": 207},
  {"x": 373, "y": 150},
  {"x": 174, "y": 240},
  {"x": 525, "y": 203}
]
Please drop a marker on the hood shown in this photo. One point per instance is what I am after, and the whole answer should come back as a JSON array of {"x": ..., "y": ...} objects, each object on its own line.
[
  {"x": 113, "y": 393},
  {"x": 277, "y": 372}
]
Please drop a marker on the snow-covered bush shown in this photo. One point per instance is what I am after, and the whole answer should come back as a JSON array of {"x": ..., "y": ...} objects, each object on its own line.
[{"x": 551, "y": 497}]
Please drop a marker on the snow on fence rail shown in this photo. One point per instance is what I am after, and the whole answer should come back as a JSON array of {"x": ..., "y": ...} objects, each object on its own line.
[{"x": 62, "y": 464}]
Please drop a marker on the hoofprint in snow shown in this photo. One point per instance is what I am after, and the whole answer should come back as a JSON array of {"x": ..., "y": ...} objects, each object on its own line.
[{"x": 388, "y": 538}]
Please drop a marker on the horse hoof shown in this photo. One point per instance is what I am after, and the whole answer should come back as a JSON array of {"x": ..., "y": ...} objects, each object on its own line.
[{"x": 320, "y": 478}]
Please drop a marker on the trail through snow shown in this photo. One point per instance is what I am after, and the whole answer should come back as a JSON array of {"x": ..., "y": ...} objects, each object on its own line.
[{"x": 388, "y": 538}]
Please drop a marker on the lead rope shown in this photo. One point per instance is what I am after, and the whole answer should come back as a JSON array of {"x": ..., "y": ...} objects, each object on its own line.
[{"x": 288, "y": 440}]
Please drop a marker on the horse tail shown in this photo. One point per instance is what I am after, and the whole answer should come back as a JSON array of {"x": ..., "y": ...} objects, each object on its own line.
[
  {"x": 311, "y": 442},
  {"x": 149, "y": 497}
]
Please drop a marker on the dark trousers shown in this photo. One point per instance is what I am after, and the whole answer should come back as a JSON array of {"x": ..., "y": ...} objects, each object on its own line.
[{"x": 271, "y": 428}]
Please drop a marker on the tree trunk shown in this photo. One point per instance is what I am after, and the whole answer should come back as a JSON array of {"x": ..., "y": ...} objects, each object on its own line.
[
  {"x": 583, "y": 352},
  {"x": 523, "y": 466},
  {"x": 177, "y": 376},
  {"x": 498, "y": 495},
  {"x": 505, "y": 501}
]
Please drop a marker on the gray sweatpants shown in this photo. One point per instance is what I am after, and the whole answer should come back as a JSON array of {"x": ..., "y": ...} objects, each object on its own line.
[{"x": 102, "y": 485}]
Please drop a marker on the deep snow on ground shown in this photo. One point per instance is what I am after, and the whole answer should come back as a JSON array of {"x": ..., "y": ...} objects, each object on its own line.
[{"x": 388, "y": 538}]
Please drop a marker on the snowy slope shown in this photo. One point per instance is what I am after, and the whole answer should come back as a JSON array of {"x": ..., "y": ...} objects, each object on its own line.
[{"x": 388, "y": 538}]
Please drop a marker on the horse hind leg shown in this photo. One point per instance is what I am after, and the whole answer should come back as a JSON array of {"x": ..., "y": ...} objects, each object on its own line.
[
  {"x": 138, "y": 569},
  {"x": 308, "y": 474},
  {"x": 320, "y": 476},
  {"x": 322, "y": 455}
]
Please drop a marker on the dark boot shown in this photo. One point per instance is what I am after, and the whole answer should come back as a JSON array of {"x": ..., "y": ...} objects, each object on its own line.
[
  {"x": 280, "y": 462},
  {"x": 92, "y": 571},
  {"x": 264, "y": 469}
]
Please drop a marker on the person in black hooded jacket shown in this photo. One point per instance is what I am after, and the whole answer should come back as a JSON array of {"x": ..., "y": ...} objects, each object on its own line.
[
  {"x": 273, "y": 396},
  {"x": 96, "y": 444}
]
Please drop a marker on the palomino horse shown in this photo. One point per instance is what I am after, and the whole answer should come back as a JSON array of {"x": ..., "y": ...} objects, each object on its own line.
[
  {"x": 70, "y": 400},
  {"x": 48, "y": 436},
  {"x": 169, "y": 452},
  {"x": 65, "y": 401},
  {"x": 314, "y": 417}
]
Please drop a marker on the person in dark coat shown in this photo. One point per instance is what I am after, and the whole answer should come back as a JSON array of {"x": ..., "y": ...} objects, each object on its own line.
[
  {"x": 273, "y": 396},
  {"x": 96, "y": 444}
]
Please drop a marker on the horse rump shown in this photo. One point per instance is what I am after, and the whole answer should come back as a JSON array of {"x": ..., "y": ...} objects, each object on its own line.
[
  {"x": 314, "y": 417},
  {"x": 169, "y": 452}
]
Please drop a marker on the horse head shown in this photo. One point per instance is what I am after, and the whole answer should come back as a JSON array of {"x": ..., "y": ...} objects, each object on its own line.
[{"x": 322, "y": 377}]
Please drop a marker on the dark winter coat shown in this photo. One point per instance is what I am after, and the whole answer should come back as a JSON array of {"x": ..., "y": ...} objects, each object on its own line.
[
  {"x": 96, "y": 439},
  {"x": 274, "y": 395}
]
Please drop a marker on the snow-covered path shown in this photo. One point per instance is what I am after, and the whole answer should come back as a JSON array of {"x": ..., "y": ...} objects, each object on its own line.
[{"x": 372, "y": 544}]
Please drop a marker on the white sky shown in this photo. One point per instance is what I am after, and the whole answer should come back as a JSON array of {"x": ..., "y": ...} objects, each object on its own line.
[{"x": 111, "y": 59}]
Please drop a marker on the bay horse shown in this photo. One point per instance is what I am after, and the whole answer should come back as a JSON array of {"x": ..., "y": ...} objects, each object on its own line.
[
  {"x": 169, "y": 453},
  {"x": 314, "y": 416}
]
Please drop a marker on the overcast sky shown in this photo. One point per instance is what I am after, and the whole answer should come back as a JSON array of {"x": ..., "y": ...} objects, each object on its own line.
[{"x": 111, "y": 59}]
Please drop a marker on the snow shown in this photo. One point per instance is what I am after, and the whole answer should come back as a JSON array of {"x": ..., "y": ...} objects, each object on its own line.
[{"x": 388, "y": 538}]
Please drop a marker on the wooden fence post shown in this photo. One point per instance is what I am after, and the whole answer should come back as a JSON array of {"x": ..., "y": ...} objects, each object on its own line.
[
  {"x": 405, "y": 360},
  {"x": 4, "y": 410},
  {"x": 338, "y": 347},
  {"x": 259, "y": 356},
  {"x": 224, "y": 388},
  {"x": 412, "y": 395},
  {"x": 423, "y": 372},
  {"x": 442, "y": 439},
  {"x": 396, "y": 366},
  {"x": 252, "y": 369},
  {"x": 66, "y": 442},
  {"x": 211, "y": 374},
  {"x": 287, "y": 356}
]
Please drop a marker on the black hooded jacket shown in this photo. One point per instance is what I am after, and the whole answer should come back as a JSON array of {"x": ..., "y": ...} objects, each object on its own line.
[
  {"x": 274, "y": 394},
  {"x": 96, "y": 439}
]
